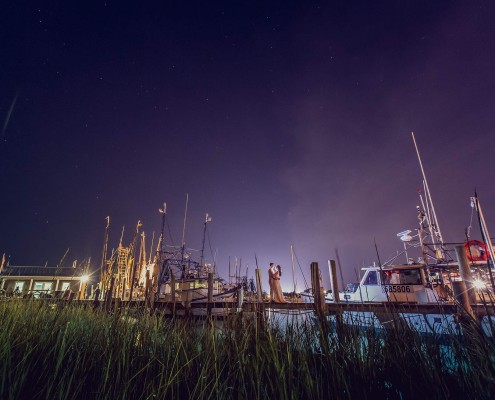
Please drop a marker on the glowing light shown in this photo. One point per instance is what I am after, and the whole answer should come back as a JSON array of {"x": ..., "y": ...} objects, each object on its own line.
[
  {"x": 84, "y": 278},
  {"x": 479, "y": 284}
]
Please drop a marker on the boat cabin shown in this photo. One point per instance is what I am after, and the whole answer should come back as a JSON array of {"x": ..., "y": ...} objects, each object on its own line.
[
  {"x": 398, "y": 283},
  {"x": 194, "y": 289}
]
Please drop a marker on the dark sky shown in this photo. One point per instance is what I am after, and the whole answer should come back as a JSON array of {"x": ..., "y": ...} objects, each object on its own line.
[{"x": 288, "y": 122}]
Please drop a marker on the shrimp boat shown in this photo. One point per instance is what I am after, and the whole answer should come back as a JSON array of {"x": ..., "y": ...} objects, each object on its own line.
[
  {"x": 188, "y": 282},
  {"x": 397, "y": 283},
  {"x": 405, "y": 288},
  {"x": 430, "y": 279},
  {"x": 185, "y": 281},
  {"x": 172, "y": 279},
  {"x": 308, "y": 297}
]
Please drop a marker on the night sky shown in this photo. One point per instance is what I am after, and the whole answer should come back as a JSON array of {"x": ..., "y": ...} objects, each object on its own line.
[{"x": 288, "y": 122}]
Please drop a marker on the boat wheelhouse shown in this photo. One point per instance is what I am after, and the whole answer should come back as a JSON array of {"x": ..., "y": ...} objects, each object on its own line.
[
  {"x": 185, "y": 280},
  {"x": 398, "y": 283}
]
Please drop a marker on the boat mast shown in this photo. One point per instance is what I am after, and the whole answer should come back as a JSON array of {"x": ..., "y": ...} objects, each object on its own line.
[
  {"x": 103, "y": 277},
  {"x": 438, "y": 250},
  {"x": 159, "y": 246},
  {"x": 207, "y": 219},
  {"x": 185, "y": 220},
  {"x": 131, "y": 263},
  {"x": 183, "y": 245},
  {"x": 426, "y": 214},
  {"x": 142, "y": 253},
  {"x": 293, "y": 274},
  {"x": 151, "y": 247}
]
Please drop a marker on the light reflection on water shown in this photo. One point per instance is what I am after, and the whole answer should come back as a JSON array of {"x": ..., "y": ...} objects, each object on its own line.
[{"x": 442, "y": 337}]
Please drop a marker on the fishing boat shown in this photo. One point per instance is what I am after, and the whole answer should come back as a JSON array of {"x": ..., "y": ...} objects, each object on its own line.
[
  {"x": 430, "y": 279},
  {"x": 397, "y": 283},
  {"x": 307, "y": 296},
  {"x": 181, "y": 279},
  {"x": 188, "y": 282},
  {"x": 171, "y": 279}
]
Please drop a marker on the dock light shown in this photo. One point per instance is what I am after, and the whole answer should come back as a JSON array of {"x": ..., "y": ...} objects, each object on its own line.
[
  {"x": 84, "y": 278},
  {"x": 479, "y": 284}
]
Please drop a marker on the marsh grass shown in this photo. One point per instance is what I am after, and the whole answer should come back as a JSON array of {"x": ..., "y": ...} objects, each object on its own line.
[{"x": 58, "y": 351}]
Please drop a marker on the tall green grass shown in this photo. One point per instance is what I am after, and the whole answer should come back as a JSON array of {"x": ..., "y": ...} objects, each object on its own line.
[{"x": 57, "y": 351}]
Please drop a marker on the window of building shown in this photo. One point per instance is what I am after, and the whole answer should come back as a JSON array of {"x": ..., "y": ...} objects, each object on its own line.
[
  {"x": 19, "y": 286},
  {"x": 42, "y": 287}
]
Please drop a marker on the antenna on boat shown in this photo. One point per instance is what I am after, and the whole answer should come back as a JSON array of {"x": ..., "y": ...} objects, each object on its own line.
[{"x": 436, "y": 227}]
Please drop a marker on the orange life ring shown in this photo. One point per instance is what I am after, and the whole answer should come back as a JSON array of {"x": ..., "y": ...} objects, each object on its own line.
[{"x": 476, "y": 250}]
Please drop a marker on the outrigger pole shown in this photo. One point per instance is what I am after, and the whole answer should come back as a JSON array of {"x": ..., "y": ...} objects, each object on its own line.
[
  {"x": 207, "y": 219},
  {"x": 103, "y": 277},
  {"x": 159, "y": 246},
  {"x": 129, "y": 277},
  {"x": 438, "y": 251},
  {"x": 183, "y": 245},
  {"x": 293, "y": 274},
  {"x": 185, "y": 219},
  {"x": 151, "y": 247}
]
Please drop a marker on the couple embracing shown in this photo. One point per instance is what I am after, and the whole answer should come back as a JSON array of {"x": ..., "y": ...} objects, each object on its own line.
[{"x": 274, "y": 273}]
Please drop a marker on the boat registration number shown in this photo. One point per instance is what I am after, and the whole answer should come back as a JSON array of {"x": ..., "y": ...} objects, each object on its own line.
[{"x": 396, "y": 289}]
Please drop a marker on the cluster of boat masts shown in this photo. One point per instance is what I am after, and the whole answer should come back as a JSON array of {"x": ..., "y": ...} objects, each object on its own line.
[{"x": 170, "y": 274}]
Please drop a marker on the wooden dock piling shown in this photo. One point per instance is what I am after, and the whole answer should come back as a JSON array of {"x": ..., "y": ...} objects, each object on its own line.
[
  {"x": 210, "y": 293},
  {"x": 462, "y": 297},
  {"x": 465, "y": 271},
  {"x": 172, "y": 291},
  {"x": 109, "y": 294},
  {"x": 240, "y": 298},
  {"x": 319, "y": 298},
  {"x": 210, "y": 287},
  {"x": 332, "y": 269},
  {"x": 260, "y": 311},
  {"x": 148, "y": 291},
  {"x": 463, "y": 290}
]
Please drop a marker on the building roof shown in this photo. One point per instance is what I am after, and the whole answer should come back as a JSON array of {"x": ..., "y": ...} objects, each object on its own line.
[{"x": 40, "y": 271}]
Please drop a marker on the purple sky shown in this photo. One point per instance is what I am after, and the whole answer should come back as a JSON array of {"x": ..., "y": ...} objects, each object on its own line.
[{"x": 289, "y": 123}]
